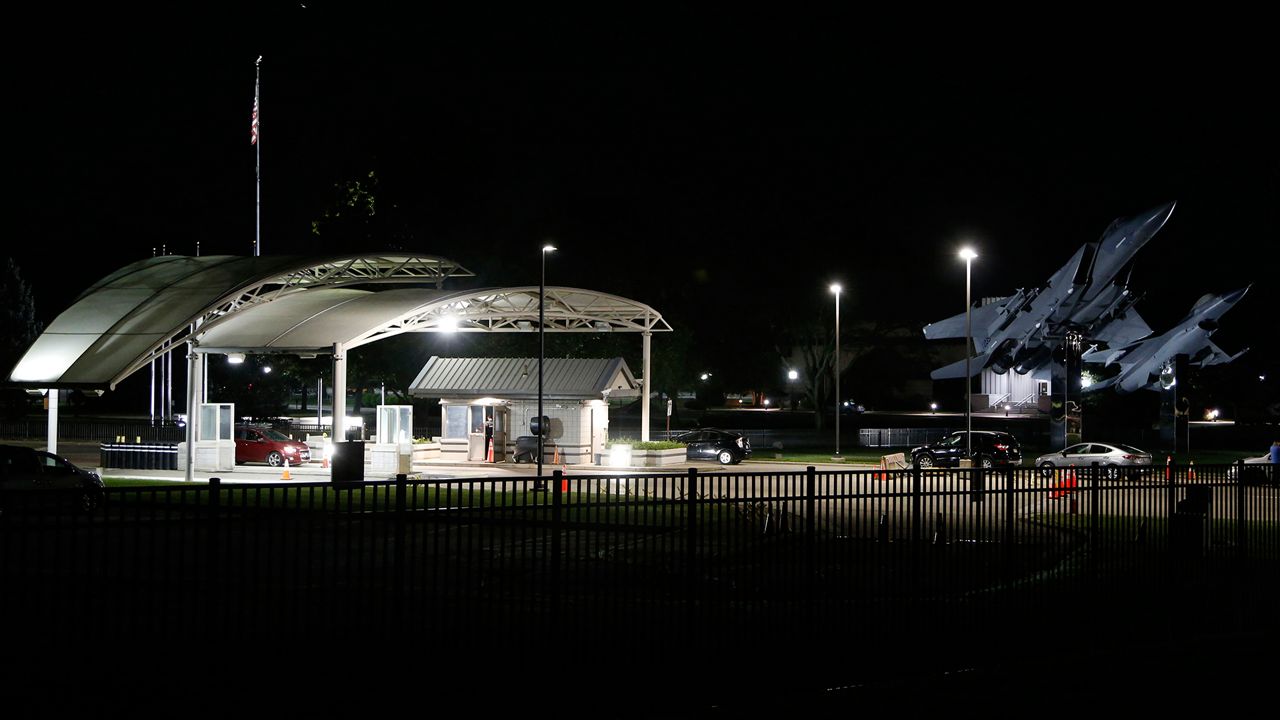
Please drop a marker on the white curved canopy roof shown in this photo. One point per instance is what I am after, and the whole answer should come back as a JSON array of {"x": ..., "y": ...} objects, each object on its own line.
[
  {"x": 142, "y": 310},
  {"x": 314, "y": 321},
  {"x": 285, "y": 305}
]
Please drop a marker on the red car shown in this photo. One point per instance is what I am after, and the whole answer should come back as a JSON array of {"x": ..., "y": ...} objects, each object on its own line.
[{"x": 265, "y": 445}]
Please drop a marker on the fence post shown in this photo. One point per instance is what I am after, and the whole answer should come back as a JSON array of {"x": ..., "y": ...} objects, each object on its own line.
[
  {"x": 1242, "y": 537},
  {"x": 398, "y": 568},
  {"x": 557, "y": 498},
  {"x": 1095, "y": 500},
  {"x": 215, "y": 608},
  {"x": 810, "y": 527},
  {"x": 916, "y": 501},
  {"x": 1009, "y": 502},
  {"x": 691, "y": 557}
]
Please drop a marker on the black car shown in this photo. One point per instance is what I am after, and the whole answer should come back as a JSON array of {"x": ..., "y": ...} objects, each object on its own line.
[
  {"x": 990, "y": 449},
  {"x": 34, "y": 478},
  {"x": 727, "y": 448}
]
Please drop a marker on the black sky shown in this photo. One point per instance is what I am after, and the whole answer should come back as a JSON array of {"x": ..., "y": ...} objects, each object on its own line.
[{"x": 712, "y": 167}]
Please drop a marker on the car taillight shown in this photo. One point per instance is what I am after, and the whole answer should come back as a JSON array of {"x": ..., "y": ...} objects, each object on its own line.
[
  {"x": 1001, "y": 447},
  {"x": 1130, "y": 457},
  {"x": 739, "y": 442}
]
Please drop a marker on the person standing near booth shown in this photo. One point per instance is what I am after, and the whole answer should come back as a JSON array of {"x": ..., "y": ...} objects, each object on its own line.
[{"x": 488, "y": 436}]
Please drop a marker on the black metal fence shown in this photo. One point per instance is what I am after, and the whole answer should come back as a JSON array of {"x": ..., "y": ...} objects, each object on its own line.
[
  {"x": 899, "y": 565},
  {"x": 98, "y": 430}
]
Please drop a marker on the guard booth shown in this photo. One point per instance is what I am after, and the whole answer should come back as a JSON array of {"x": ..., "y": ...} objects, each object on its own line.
[
  {"x": 472, "y": 427},
  {"x": 392, "y": 449},
  {"x": 216, "y": 443},
  {"x": 491, "y": 402}
]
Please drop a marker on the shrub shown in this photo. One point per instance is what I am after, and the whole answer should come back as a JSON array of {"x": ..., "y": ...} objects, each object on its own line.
[{"x": 651, "y": 445}]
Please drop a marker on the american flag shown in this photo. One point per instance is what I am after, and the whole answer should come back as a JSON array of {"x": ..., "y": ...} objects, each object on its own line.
[{"x": 253, "y": 130}]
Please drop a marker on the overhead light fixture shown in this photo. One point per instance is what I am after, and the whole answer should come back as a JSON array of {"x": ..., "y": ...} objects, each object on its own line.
[
  {"x": 235, "y": 358},
  {"x": 448, "y": 324}
]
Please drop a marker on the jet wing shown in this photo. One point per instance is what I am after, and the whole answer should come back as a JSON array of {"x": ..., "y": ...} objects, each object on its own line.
[
  {"x": 956, "y": 369},
  {"x": 1218, "y": 356},
  {"x": 1123, "y": 330}
]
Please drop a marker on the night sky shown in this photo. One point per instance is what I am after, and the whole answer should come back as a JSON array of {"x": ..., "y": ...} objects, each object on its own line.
[{"x": 716, "y": 171}]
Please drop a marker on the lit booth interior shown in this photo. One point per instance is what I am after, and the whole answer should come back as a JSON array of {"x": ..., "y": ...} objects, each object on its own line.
[{"x": 492, "y": 402}]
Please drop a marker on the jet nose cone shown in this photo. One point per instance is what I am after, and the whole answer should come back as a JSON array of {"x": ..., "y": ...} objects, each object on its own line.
[
  {"x": 1232, "y": 298},
  {"x": 1155, "y": 219}
]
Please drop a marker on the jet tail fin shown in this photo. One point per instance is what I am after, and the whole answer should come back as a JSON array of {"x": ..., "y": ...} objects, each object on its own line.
[{"x": 981, "y": 318}]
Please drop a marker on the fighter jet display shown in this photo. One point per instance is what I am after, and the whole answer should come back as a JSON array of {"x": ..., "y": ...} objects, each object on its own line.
[
  {"x": 1141, "y": 363},
  {"x": 1089, "y": 295}
]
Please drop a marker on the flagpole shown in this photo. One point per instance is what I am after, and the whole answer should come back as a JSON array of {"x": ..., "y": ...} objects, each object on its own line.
[
  {"x": 257, "y": 162},
  {"x": 257, "y": 166}
]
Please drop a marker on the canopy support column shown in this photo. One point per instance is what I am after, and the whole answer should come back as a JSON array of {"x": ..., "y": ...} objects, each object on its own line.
[
  {"x": 52, "y": 436},
  {"x": 645, "y": 384},
  {"x": 193, "y": 408},
  {"x": 339, "y": 393}
]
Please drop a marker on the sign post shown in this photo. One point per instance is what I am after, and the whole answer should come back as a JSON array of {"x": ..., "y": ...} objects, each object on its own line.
[{"x": 668, "y": 419}]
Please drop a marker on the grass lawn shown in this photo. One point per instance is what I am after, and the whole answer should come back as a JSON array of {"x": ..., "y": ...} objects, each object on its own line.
[{"x": 869, "y": 456}]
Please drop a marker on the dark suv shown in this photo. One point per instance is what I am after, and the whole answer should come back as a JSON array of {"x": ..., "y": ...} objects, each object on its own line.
[
  {"x": 990, "y": 449},
  {"x": 710, "y": 444}
]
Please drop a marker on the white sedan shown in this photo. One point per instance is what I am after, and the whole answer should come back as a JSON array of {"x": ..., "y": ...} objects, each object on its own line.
[
  {"x": 1257, "y": 471},
  {"x": 1110, "y": 456}
]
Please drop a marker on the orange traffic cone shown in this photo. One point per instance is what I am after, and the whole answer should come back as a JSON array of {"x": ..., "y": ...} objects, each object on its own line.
[
  {"x": 1191, "y": 470},
  {"x": 555, "y": 460},
  {"x": 1065, "y": 483},
  {"x": 285, "y": 476},
  {"x": 1168, "y": 461},
  {"x": 489, "y": 457}
]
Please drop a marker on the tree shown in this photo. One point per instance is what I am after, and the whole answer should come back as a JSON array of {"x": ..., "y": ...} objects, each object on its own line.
[
  {"x": 811, "y": 348},
  {"x": 18, "y": 329},
  {"x": 18, "y": 325}
]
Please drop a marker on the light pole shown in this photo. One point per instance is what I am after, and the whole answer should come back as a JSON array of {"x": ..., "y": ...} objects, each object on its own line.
[
  {"x": 542, "y": 349},
  {"x": 835, "y": 290},
  {"x": 968, "y": 254}
]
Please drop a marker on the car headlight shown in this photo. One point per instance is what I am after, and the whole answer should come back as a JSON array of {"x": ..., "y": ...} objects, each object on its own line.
[{"x": 291, "y": 450}]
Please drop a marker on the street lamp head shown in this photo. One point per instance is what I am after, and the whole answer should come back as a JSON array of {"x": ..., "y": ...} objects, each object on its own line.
[
  {"x": 967, "y": 253},
  {"x": 548, "y": 248},
  {"x": 836, "y": 289},
  {"x": 793, "y": 375}
]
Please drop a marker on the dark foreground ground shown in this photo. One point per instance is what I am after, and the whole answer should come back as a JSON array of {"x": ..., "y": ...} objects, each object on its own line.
[{"x": 1230, "y": 676}]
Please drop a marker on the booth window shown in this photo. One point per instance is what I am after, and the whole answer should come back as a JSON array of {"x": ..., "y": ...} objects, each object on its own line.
[{"x": 455, "y": 422}]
